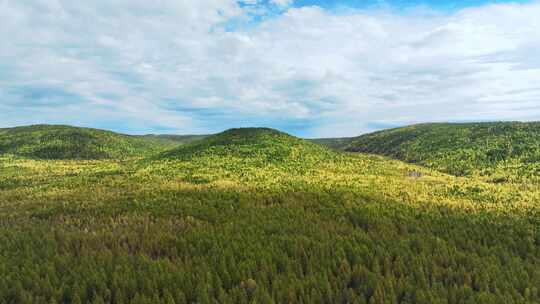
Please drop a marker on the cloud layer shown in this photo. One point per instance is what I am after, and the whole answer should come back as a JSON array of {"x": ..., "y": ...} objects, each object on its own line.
[{"x": 203, "y": 66}]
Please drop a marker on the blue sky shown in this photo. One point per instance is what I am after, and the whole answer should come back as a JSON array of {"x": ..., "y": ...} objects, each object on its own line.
[
  {"x": 311, "y": 68},
  {"x": 400, "y": 4},
  {"x": 442, "y": 6}
]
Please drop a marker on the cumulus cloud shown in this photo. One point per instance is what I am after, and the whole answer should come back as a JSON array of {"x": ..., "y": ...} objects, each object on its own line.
[{"x": 200, "y": 66}]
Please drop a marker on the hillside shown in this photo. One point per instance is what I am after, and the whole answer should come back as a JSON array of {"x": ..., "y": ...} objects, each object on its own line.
[
  {"x": 174, "y": 139},
  {"x": 66, "y": 142},
  {"x": 251, "y": 144},
  {"x": 499, "y": 151},
  {"x": 333, "y": 143}
]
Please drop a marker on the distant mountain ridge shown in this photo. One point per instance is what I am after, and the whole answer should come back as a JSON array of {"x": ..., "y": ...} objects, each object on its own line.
[
  {"x": 67, "y": 142},
  {"x": 499, "y": 150}
]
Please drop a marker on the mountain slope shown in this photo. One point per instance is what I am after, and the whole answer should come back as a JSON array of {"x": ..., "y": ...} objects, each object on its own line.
[
  {"x": 251, "y": 144},
  {"x": 66, "y": 142},
  {"x": 499, "y": 150},
  {"x": 338, "y": 143},
  {"x": 174, "y": 139}
]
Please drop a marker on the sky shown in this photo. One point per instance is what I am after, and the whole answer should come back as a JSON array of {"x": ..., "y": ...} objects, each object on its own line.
[{"x": 312, "y": 68}]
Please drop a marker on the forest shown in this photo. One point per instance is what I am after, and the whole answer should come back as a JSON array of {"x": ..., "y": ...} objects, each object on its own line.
[
  {"x": 493, "y": 151},
  {"x": 254, "y": 215}
]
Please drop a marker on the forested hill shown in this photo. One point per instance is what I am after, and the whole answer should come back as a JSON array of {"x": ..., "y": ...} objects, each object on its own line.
[
  {"x": 252, "y": 144},
  {"x": 66, "y": 142},
  {"x": 499, "y": 150}
]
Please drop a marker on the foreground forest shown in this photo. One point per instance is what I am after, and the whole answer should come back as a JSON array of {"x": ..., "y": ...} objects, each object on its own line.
[{"x": 254, "y": 216}]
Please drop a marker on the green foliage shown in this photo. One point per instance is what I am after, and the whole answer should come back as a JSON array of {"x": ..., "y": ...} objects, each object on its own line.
[
  {"x": 333, "y": 143},
  {"x": 254, "y": 145},
  {"x": 65, "y": 142},
  {"x": 501, "y": 151},
  {"x": 176, "y": 139},
  {"x": 258, "y": 216}
]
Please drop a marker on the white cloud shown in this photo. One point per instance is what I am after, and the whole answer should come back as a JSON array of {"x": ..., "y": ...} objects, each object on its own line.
[
  {"x": 154, "y": 65},
  {"x": 282, "y": 3}
]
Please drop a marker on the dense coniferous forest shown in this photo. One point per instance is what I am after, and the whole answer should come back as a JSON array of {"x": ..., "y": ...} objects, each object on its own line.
[{"x": 259, "y": 216}]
